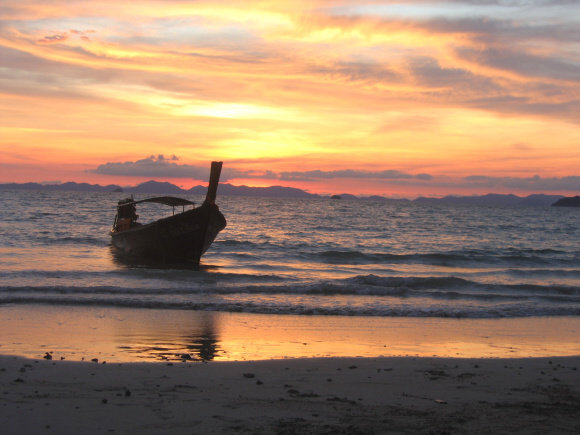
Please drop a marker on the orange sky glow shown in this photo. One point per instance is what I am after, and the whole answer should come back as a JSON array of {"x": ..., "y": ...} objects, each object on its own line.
[{"x": 392, "y": 98}]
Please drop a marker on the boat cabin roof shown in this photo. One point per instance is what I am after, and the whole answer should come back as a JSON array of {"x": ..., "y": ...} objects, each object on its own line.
[{"x": 171, "y": 201}]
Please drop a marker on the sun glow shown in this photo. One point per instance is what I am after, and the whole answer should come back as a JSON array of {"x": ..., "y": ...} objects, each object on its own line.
[{"x": 229, "y": 110}]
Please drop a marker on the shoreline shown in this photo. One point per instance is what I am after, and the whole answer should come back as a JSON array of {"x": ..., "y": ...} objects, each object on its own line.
[
  {"x": 131, "y": 335},
  {"x": 303, "y": 395}
]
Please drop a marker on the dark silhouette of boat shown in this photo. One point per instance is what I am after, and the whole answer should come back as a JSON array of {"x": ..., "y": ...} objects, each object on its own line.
[{"x": 185, "y": 235}]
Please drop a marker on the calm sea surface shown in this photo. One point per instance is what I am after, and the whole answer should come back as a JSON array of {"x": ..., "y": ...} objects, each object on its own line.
[{"x": 301, "y": 257}]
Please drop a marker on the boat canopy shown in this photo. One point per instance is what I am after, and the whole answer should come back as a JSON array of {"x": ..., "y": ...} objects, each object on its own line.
[{"x": 171, "y": 201}]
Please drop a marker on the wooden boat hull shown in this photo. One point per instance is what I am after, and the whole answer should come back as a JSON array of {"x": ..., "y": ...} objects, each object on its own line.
[{"x": 184, "y": 236}]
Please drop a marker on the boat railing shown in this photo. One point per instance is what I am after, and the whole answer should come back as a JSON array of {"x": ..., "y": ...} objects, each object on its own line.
[{"x": 127, "y": 216}]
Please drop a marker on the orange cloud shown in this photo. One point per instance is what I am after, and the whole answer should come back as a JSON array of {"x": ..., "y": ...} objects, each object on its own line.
[{"x": 54, "y": 39}]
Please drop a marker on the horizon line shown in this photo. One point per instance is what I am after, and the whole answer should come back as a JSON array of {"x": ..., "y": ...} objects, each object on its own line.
[{"x": 320, "y": 195}]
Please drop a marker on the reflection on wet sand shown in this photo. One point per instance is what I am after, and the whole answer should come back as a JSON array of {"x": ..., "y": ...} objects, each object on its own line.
[
  {"x": 116, "y": 334},
  {"x": 205, "y": 345},
  {"x": 197, "y": 341}
]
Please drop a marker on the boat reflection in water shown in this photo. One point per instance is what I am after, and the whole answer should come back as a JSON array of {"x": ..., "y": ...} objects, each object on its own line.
[{"x": 128, "y": 260}]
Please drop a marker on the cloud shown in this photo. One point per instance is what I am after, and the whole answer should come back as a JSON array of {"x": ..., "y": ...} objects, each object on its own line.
[
  {"x": 393, "y": 177},
  {"x": 63, "y": 36},
  {"x": 349, "y": 173},
  {"x": 160, "y": 166},
  {"x": 168, "y": 167},
  {"x": 531, "y": 183},
  {"x": 54, "y": 39},
  {"x": 524, "y": 64},
  {"x": 356, "y": 71},
  {"x": 163, "y": 167}
]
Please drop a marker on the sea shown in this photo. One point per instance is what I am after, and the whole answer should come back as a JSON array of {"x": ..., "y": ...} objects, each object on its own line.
[{"x": 300, "y": 257}]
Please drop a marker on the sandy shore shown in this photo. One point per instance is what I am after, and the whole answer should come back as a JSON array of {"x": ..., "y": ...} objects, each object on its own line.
[{"x": 294, "y": 396}]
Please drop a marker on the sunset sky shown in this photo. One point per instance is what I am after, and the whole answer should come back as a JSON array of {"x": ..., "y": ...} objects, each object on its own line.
[{"x": 396, "y": 98}]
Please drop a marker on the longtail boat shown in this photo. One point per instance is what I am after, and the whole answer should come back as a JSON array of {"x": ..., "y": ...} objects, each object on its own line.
[{"x": 184, "y": 235}]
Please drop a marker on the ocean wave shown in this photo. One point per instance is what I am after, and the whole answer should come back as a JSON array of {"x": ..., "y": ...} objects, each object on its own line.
[
  {"x": 449, "y": 259},
  {"x": 361, "y": 285},
  {"x": 451, "y": 282},
  {"x": 562, "y": 273},
  {"x": 450, "y": 311},
  {"x": 83, "y": 241},
  {"x": 171, "y": 274}
]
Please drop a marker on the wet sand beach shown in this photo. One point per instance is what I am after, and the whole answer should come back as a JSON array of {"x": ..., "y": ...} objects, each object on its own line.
[
  {"x": 307, "y": 395},
  {"x": 117, "y": 334},
  {"x": 77, "y": 372}
]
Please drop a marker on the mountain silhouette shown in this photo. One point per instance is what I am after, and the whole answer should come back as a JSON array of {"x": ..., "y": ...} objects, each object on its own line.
[
  {"x": 573, "y": 201},
  {"x": 165, "y": 188}
]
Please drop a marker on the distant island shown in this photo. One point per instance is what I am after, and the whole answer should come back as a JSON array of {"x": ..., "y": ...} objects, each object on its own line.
[
  {"x": 573, "y": 201},
  {"x": 164, "y": 188}
]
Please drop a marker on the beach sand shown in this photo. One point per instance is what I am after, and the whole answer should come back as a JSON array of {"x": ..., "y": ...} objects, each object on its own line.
[
  {"x": 293, "y": 396},
  {"x": 268, "y": 374}
]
